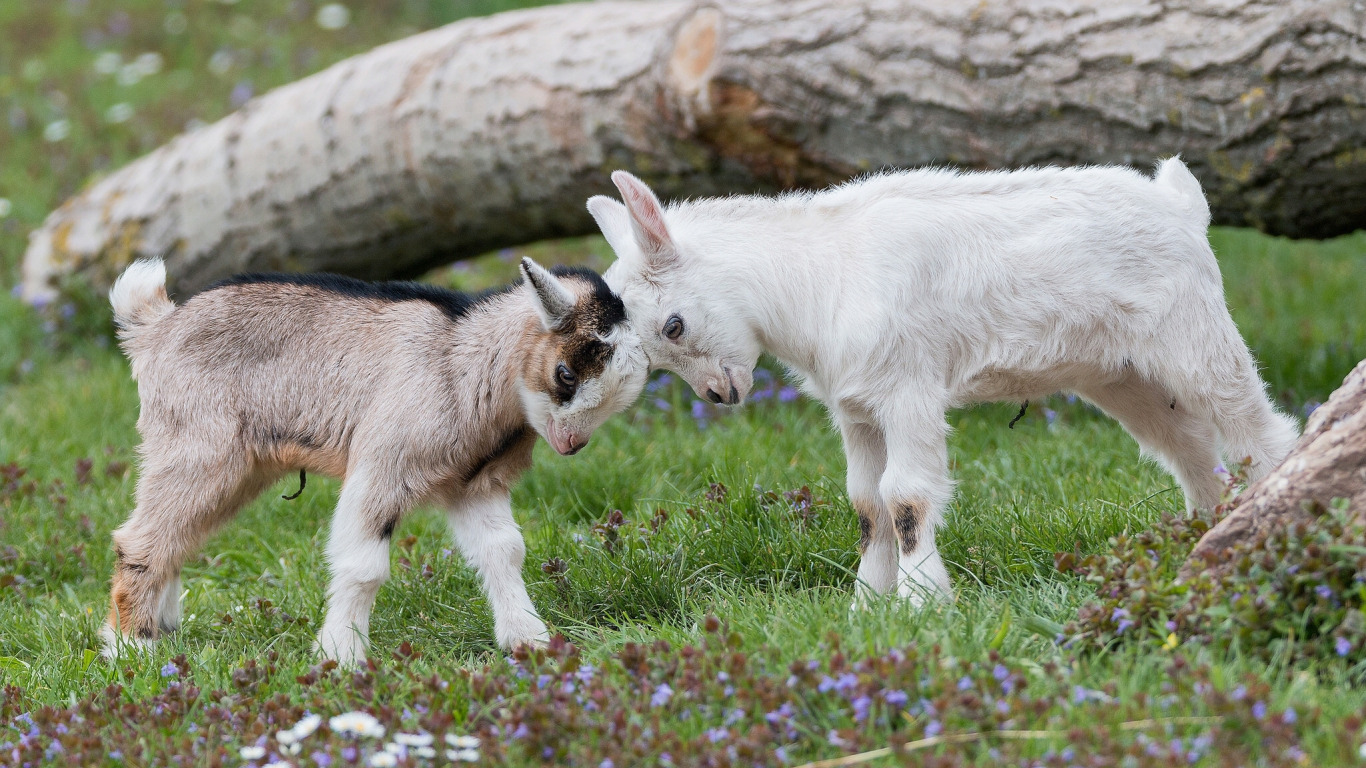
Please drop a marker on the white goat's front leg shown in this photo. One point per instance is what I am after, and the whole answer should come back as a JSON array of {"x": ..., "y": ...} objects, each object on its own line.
[
  {"x": 491, "y": 542},
  {"x": 358, "y": 553},
  {"x": 916, "y": 488},
  {"x": 867, "y": 458}
]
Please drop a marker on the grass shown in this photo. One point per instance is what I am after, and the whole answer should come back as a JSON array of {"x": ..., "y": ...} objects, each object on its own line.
[{"x": 738, "y": 539}]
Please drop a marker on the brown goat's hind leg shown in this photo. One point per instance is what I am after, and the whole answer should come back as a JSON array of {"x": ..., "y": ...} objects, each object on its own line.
[{"x": 179, "y": 505}]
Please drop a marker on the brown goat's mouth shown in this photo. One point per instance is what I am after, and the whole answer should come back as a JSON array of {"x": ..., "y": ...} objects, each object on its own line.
[{"x": 565, "y": 441}]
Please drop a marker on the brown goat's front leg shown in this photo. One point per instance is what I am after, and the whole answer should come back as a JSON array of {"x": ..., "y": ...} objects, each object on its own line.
[
  {"x": 491, "y": 542},
  {"x": 358, "y": 554}
]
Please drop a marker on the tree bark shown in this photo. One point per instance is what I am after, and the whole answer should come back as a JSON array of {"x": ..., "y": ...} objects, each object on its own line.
[
  {"x": 492, "y": 132},
  {"x": 1328, "y": 463}
]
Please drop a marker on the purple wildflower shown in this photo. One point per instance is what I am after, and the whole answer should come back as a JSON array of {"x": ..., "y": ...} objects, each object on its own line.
[
  {"x": 964, "y": 683},
  {"x": 1000, "y": 672},
  {"x": 781, "y": 754},
  {"x": 1288, "y": 717},
  {"x": 861, "y": 706},
  {"x": 1342, "y": 645},
  {"x": 717, "y": 734},
  {"x": 662, "y": 404},
  {"x": 170, "y": 670},
  {"x": 1259, "y": 710},
  {"x": 1324, "y": 591},
  {"x": 607, "y": 763},
  {"x": 787, "y": 394},
  {"x": 348, "y": 754},
  {"x": 896, "y": 698},
  {"x": 241, "y": 93},
  {"x": 933, "y": 728},
  {"x": 846, "y": 682},
  {"x": 1050, "y": 416},
  {"x": 661, "y": 695},
  {"x": 699, "y": 412},
  {"x": 322, "y": 759}
]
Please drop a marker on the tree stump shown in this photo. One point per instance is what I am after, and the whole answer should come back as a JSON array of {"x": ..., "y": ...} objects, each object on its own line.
[{"x": 1328, "y": 463}]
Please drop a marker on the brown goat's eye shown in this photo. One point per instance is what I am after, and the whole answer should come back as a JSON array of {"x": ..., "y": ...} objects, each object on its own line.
[
  {"x": 674, "y": 327},
  {"x": 565, "y": 376}
]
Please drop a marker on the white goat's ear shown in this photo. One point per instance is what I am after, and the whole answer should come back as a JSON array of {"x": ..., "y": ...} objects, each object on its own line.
[
  {"x": 554, "y": 302},
  {"x": 613, "y": 220},
  {"x": 647, "y": 219}
]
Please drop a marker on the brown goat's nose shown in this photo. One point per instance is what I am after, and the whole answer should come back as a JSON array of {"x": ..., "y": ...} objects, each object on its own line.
[{"x": 713, "y": 396}]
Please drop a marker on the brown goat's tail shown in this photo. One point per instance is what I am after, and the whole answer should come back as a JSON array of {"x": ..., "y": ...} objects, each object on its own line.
[{"x": 139, "y": 299}]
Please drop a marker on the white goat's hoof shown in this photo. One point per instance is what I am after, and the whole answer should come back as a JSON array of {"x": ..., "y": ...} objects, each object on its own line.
[
  {"x": 117, "y": 645},
  {"x": 346, "y": 647},
  {"x": 531, "y": 632}
]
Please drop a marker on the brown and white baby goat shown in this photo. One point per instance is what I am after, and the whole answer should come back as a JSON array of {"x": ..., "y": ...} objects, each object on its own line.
[{"x": 411, "y": 393}]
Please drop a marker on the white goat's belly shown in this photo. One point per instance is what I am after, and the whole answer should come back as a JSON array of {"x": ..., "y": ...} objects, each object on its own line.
[{"x": 1018, "y": 384}]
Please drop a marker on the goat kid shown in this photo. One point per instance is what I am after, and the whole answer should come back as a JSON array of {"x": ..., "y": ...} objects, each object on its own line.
[
  {"x": 411, "y": 393},
  {"x": 899, "y": 296}
]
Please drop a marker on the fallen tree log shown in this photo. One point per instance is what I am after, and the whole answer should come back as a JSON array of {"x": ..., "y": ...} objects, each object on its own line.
[
  {"x": 1328, "y": 463},
  {"x": 492, "y": 132}
]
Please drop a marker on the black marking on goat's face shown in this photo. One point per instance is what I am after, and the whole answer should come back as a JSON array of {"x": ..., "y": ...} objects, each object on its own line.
[
  {"x": 577, "y": 343},
  {"x": 908, "y": 519}
]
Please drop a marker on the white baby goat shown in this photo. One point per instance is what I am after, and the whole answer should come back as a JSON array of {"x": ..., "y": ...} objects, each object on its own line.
[
  {"x": 411, "y": 393},
  {"x": 899, "y": 296}
]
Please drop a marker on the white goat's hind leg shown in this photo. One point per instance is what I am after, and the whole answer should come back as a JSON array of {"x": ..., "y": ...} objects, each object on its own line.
[
  {"x": 916, "y": 488},
  {"x": 1250, "y": 425},
  {"x": 1168, "y": 428},
  {"x": 867, "y": 458},
  {"x": 490, "y": 541},
  {"x": 358, "y": 554}
]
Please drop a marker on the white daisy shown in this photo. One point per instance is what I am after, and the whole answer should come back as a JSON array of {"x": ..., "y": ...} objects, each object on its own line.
[
  {"x": 413, "y": 739},
  {"x": 356, "y": 724},
  {"x": 462, "y": 742}
]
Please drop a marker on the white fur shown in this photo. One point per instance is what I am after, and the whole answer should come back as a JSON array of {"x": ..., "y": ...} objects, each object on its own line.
[
  {"x": 899, "y": 296},
  {"x": 491, "y": 542}
]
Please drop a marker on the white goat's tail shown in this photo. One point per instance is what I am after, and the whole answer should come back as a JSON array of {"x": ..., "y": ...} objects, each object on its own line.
[
  {"x": 1177, "y": 179},
  {"x": 139, "y": 298}
]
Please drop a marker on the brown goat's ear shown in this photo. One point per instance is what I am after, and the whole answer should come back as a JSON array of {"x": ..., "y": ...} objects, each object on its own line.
[
  {"x": 647, "y": 219},
  {"x": 554, "y": 302}
]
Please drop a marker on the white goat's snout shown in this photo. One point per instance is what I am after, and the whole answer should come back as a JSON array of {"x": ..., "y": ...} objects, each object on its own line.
[{"x": 726, "y": 386}]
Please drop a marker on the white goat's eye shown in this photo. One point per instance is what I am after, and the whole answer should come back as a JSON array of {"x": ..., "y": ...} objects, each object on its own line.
[
  {"x": 674, "y": 327},
  {"x": 565, "y": 376}
]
